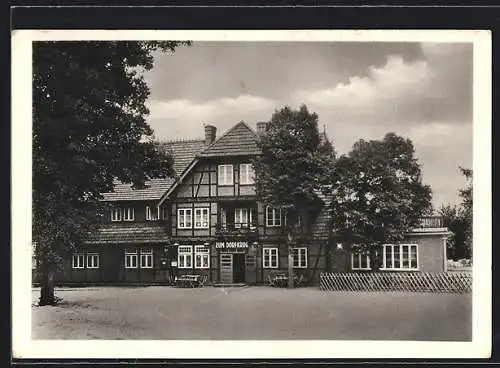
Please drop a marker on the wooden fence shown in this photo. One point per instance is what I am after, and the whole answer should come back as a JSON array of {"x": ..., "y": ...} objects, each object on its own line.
[{"x": 391, "y": 281}]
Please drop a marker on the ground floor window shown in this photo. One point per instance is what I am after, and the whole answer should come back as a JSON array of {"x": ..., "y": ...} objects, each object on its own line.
[
  {"x": 360, "y": 261},
  {"x": 130, "y": 258},
  {"x": 201, "y": 257},
  {"x": 146, "y": 258},
  {"x": 300, "y": 257},
  {"x": 79, "y": 260},
  {"x": 92, "y": 260},
  {"x": 270, "y": 257},
  {"x": 400, "y": 257},
  {"x": 185, "y": 256}
]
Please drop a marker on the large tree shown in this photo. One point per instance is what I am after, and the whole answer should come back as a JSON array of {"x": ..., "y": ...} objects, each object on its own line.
[
  {"x": 458, "y": 219},
  {"x": 289, "y": 171},
  {"x": 377, "y": 193},
  {"x": 89, "y": 128}
]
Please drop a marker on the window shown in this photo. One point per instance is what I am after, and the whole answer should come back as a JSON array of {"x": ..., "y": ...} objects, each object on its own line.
[
  {"x": 152, "y": 213},
  {"x": 116, "y": 214},
  {"x": 299, "y": 257},
  {"x": 201, "y": 218},
  {"x": 185, "y": 256},
  {"x": 400, "y": 257},
  {"x": 242, "y": 217},
  {"x": 359, "y": 260},
  {"x": 146, "y": 258},
  {"x": 92, "y": 260},
  {"x": 79, "y": 260},
  {"x": 128, "y": 214},
  {"x": 225, "y": 175},
  {"x": 184, "y": 220},
  {"x": 273, "y": 216},
  {"x": 246, "y": 174},
  {"x": 270, "y": 257},
  {"x": 201, "y": 257},
  {"x": 163, "y": 212},
  {"x": 130, "y": 258}
]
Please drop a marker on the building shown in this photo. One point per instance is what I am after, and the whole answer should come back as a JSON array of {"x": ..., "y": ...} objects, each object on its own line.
[{"x": 208, "y": 220}]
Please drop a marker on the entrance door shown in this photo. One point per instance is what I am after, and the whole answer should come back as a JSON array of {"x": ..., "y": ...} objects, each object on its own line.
[
  {"x": 239, "y": 268},
  {"x": 226, "y": 268}
]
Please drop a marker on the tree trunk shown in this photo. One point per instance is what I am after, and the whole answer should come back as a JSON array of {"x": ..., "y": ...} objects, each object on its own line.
[
  {"x": 290, "y": 266},
  {"x": 47, "y": 296},
  {"x": 374, "y": 259}
]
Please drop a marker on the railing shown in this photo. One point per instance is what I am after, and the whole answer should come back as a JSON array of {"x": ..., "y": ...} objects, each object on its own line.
[
  {"x": 234, "y": 228},
  {"x": 409, "y": 282},
  {"x": 430, "y": 222}
]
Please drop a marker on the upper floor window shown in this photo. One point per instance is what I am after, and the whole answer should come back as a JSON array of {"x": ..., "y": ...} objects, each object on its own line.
[
  {"x": 116, "y": 214},
  {"x": 152, "y": 213},
  {"x": 273, "y": 216},
  {"x": 184, "y": 218},
  {"x": 201, "y": 218},
  {"x": 225, "y": 174},
  {"x": 128, "y": 214},
  {"x": 400, "y": 257},
  {"x": 300, "y": 257},
  {"x": 246, "y": 174},
  {"x": 242, "y": 217}
]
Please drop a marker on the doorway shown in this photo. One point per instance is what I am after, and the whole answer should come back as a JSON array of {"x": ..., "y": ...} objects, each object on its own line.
[
  {"x": 226, "y": 268},
  {"x": 239, "y": 268}
]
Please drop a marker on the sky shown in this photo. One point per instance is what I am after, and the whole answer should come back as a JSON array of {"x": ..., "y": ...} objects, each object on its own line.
[{"x": 360, "y": 90}]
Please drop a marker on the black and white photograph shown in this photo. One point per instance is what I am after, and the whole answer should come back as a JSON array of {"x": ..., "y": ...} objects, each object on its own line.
[{"x": 251, "y": 194}]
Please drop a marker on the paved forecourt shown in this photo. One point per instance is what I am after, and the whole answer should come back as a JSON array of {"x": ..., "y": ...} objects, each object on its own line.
[{"x": 246, "y": 313}]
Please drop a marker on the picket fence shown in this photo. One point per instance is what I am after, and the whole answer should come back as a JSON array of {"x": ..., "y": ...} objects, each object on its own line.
[{"x": 444, "y": 282}]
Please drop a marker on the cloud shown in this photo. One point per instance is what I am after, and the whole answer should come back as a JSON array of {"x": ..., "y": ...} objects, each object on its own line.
[{"x": 184, "y": 118}]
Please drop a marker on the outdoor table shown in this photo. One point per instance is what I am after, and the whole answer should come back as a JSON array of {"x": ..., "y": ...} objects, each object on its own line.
[{"x": 188, "y": 281}]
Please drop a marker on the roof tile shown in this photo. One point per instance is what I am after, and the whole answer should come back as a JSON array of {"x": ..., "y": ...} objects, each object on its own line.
[
  {"x": 129, "y": 233},
  {"x": 239, "y": 140}
]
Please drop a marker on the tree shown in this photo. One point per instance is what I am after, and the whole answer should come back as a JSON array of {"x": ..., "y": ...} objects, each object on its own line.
[
  {"x": 377, "y": 193},
  {"x": 289, "y": 171},
  {"x": 88, "y": 129},
  {"x": 458, "y": 219}
]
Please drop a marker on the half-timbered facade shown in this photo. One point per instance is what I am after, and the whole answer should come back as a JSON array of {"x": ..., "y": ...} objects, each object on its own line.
[{"x": 209, "y": 220}]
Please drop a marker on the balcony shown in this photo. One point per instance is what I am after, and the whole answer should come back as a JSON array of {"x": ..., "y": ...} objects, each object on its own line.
[
  {"x": 236, "y": 229},
  {"x": 430, "y": 222}
]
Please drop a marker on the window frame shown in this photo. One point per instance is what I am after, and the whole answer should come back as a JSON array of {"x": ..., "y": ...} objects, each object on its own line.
[
  {"x": 184, "y": 255},
  {"x": 297, "y": 251},
  {"x": 226, "y": 175},
  {"x": 185, "y": 217},
  {"x": 202, "y": 210},
  {"x": 249, "y": 174},
  {"x": 274, "y": 218},
  {"x": 269, "y": 258},
  {"x": 150, "y": 211},
  {"x": 401, "y": 257},
  {"x": 128, "y": 211},
  {"x": 77, "y": 265},
  {"x": 95, "y": 256},
  {"x": 359, "y": 256},
  {"x": 131, "y": 255},
  {"x": 116, "y": 214},
  {"x": 146, "y": 253},
  {"x": 204, "y": 253},
  {"x": 248, "y": 218}
]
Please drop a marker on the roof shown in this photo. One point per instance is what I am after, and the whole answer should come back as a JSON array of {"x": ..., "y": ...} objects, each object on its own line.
[
  {"x": 134, "y": 232},
  {"x": 239, "y": 140},
  {"x": 183, "y": 151}
]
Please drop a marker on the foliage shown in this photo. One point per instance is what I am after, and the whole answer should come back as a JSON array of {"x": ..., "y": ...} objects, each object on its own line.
[
  {"x": 458, "y": 219},
  {"x": 294, "y": 160},
  {"x": 89, "y": 128},
  {"x": 377, "y": 193}
]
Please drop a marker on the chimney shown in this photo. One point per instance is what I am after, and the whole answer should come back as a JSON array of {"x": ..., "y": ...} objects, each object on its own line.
[
  {"x": 261, "y": 127},
  {"x": 210, "y": 132}
]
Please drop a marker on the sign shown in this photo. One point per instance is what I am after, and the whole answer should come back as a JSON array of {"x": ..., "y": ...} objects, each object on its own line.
[{"x": 231, "y": 245}]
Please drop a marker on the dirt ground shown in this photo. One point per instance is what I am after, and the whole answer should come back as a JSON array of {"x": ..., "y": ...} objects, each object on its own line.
[{"x": 248, "y": 313}]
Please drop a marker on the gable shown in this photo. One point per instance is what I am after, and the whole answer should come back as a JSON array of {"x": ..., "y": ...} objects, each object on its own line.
[{"x": 239, "y": 140}]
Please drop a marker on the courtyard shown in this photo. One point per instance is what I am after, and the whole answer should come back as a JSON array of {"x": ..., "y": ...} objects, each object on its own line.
[{"x": 248, "y": 313}]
